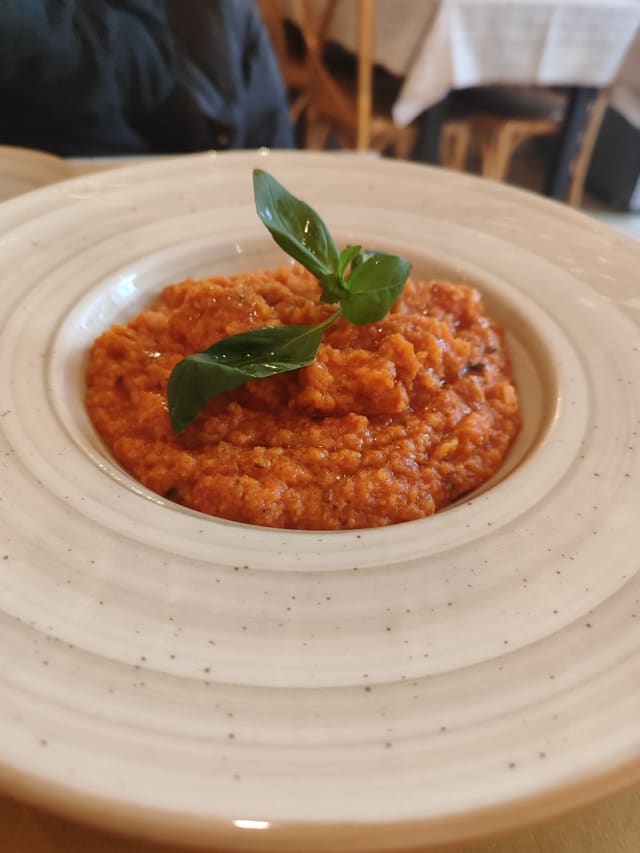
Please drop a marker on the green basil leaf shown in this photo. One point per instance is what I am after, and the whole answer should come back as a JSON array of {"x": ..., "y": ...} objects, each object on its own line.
[
  {"x": 332, "y": 289},
  {"x": 360, "y": 258},
  {"x": 347, "y": 256},
  {"x": 374, "y": 284},
  {"x": 231, "y": 362},
  {"x": 373, "y": 287},
  {"x": 295, "y": 226}
]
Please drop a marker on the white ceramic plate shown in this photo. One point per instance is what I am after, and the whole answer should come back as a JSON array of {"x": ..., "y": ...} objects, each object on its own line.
[
  {"x": 23, "y": 170},
  {"x": 194, "y": 679}
]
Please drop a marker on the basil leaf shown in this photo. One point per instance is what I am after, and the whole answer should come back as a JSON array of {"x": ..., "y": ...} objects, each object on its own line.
[
  {"x": 295, "y": 227},
  {"x": 374, "y": 284},
  {"x": 231, "y": 362},
  {"x": 361, "y": 257},
  {"x": 347, "y": 256},
  {"x": 332, "y": 289},
  {"x": 373, "y": 287}
]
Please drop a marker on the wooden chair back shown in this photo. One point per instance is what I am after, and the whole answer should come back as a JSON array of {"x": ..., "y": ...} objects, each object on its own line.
[{"x": 499, "y": 138}]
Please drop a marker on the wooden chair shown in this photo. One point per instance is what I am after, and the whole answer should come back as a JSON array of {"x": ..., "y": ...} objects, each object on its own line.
[
  {"x": 582, "y": 161},
  {"x": 334, "y": 101},
  {"x": 500, "y": 132}
]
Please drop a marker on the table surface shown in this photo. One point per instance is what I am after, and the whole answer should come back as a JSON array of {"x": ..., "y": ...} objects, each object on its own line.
[{"x": 610, "y": 826}]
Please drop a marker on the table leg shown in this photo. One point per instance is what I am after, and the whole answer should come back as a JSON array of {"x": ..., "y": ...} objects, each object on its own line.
[
  {"x": 581, "y": 99},
  {"x": 427, "y": 146}
]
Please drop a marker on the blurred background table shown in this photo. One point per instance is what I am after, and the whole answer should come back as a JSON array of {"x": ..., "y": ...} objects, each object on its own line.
[{"x": 439, "y": 47}]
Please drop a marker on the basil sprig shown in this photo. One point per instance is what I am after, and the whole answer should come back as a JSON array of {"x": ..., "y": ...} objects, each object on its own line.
[
  {"x": 374, "y": 283},
  {"x": 228, "y": 364}
]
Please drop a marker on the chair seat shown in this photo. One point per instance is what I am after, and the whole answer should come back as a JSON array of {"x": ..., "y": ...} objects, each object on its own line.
[
  {"x": 515, "y": 102},
  {"x": 504, "y": 118}
]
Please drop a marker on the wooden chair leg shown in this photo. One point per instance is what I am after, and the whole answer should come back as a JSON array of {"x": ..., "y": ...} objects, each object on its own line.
[
  {"x": 317, "y": 133},
  {"x": 405, "y": 141},
  {"x": 497, "y": 150},
  {"x": 386, "y": 136},
  {"x": 582, "y": 161},
  {"x": 365, "y": 74},
  {"x": 454, "y": 145}
]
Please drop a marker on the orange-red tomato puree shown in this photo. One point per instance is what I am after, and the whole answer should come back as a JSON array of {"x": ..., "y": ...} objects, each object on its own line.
[{"x": 393, "y": 420}]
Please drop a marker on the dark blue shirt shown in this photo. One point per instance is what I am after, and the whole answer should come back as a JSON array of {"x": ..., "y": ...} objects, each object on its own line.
[{"x": 92, "y": 77}]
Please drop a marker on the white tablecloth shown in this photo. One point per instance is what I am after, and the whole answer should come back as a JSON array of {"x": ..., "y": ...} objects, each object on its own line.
[
  {"x": 442, "y": 45},
  {"x": 519, "y": 42},
  {"x": 625, "y": 95},
  {"x": 400, "y": 28}
]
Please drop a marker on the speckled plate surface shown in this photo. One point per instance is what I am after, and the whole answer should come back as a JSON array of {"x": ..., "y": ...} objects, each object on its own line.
[
  {"x": 23, "y": 170},
  {"x": 204, "y": 681}
]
